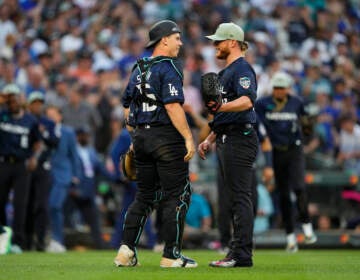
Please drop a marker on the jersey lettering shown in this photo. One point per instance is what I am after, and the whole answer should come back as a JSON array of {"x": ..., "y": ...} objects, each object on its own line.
[
  {"x": 140, "y": 89},
  {"x": 13, "y": 128},
  {"x": 281, "y": 116},
  {"x": 146, "y": 106},
  {"x": 221, "y": 88},
  {"x": 24, "y": 141},
  {"x": 173, "y": 91}
]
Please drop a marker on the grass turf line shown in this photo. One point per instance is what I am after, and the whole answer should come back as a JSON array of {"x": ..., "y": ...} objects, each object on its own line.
[{"x": 268, "y": 264}]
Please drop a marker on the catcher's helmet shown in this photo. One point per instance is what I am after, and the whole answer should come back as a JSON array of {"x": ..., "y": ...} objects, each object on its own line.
[{"x": 161, "y": 29}]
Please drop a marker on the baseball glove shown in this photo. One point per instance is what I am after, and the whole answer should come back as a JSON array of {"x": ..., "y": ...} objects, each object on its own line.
[
  {"x": 210, "y": 91},
  {"x": 128, "y": 165}
]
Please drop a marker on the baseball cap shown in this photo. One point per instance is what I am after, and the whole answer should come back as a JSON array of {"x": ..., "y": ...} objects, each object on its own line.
[
  {"x": 11, "y": 89},
  {"x": 83, "y": 129},
  {"x": 227, "y": 31},
  {"x": 35, "y": 95},
  {"x": 281, "y": 80},
  {"x": 161, "y": 29}
]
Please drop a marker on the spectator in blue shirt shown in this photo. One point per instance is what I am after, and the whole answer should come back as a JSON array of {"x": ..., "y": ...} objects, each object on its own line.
[
  {"x": 65, "y": 171},
  {"x": 198, "y": 222}
]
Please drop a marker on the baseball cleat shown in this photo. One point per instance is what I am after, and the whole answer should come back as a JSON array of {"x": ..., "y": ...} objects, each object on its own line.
[
  {"x": 125, "y": 257},
  {"x": 230, "y": 262},
  {"x": 180, "y": 262}
]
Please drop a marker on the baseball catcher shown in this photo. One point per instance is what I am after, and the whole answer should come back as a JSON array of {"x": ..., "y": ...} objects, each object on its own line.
[{"x": 210, "y": 91}]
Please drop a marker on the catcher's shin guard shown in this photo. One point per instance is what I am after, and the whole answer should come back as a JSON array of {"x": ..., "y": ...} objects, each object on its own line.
[
  {"x": 174, "y": 214},
  {"x": 135, "y": 220}
]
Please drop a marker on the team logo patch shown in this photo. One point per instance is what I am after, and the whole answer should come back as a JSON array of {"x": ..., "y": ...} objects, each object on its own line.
[{"x": 245, "y": 82}]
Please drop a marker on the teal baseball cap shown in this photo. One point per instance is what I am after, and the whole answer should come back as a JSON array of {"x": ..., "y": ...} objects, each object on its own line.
[
  {"x": 228, "y": 31},
  {"x": 11, "y": 89},
  {"x": 36, "y": 95}
]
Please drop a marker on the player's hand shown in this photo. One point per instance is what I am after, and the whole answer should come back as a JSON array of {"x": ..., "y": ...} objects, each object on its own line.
[
  {"x": 268, "y": 174},
  {"x": 190, "y": 147},
  {"x": 203, "y": 148},
  {"x": 75, "y": 180},
  {"x": 31, "y": 164}
]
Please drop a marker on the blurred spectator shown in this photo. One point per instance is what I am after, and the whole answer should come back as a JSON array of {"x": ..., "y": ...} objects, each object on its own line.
[
  {"x": 78, "y": 111},
  {"x": 83, "y": 194},
  {"x": 57, "y": 96},
  {"x": 265, "y": 206},
  {"x": 83, "y": 72},
  {"x": 263, "y": 50},
  {"x": 37, "y": 220},
  {"x": 299, "y": 25},
  {"x": 349, "y": 143},
  {"x": 324, "y": 126},
  {"x": 65, "y": 171},
  {"x": 36, "y": 80},
  {"x": 7, "y": 26},
  {"x": 19, "y": 150},
  {"x": 197, "y": 68},
  {"x": 134, "y": 52},
  {"x": 324, "y": 223},
  {"x": 312, "y": 81},
  {"x": 198, "y": 222}
]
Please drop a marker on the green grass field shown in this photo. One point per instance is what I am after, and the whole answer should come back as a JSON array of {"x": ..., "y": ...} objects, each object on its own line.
[{"x": 268, "y": 264}]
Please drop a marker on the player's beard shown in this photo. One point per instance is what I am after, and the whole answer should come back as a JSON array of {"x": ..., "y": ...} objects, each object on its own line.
[{"x": 222, "y": 53}]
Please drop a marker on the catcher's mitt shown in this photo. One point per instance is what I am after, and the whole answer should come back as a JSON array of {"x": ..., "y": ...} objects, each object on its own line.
[
  {"x": 210, "y": 91},
  {"x": 128, "y": 165}
]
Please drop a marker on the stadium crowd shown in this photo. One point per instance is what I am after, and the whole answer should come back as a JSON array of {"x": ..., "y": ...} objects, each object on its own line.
[{"x": 78, "y": 55}]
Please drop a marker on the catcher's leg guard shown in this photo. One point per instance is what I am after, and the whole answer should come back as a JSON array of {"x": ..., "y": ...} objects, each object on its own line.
[{"x": 174, "y": 213}]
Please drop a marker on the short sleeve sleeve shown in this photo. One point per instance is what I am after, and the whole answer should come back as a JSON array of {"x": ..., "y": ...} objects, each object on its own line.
[
  {"x": 172, "y": 85},
  {"x": 245, "y": 83}
]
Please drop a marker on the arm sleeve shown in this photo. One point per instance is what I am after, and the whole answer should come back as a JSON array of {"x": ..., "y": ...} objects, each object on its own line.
[
  {"x": 128, "y": 93},
  {"x": 35, "y": 135},
  {"x": 51, "y": 138},
  {"x": 245, "y": 83},
  {"x": 74, "y": 158},
  {"x": 172, "y": 84}
]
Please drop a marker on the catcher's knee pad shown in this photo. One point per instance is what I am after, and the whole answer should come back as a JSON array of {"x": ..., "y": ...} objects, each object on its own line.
[{"x": 178, "y": 205}]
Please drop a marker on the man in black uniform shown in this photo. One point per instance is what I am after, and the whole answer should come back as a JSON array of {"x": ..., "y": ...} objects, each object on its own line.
[
  {"x": 19, "y": 143},
  {"x": 40, "y": 183},
  {"x": 236, "y": 139},
  {"x": 163, "y": 145},
  {"x": 281, "y": 114}
]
